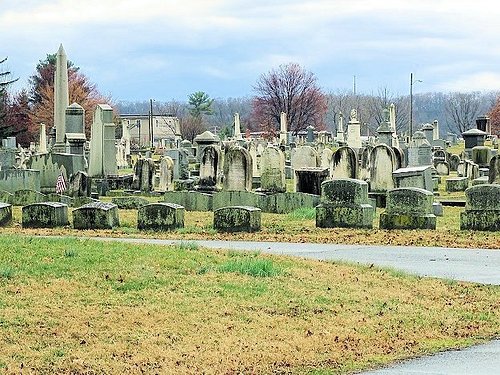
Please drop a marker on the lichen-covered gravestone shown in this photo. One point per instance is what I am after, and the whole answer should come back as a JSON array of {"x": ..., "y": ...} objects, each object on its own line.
[
  {"x": 457, "y": 184},
  {"x": 383, "y": 163},
  {"x": 79, "y": 185},
  {"x": 494, "y": 173},
  {"x": 129, "y": 202},
  {"x": 45, "y": 215},
  {"x": 344, "y": 163},
  {"x": 166, "y": 174},
  {"x": 482, "y": 208},
  {"x": 26, "y": 196},
  {"x": 408, "y": 208},
  {"x": 96, "y": 215},
  {"x": 345, "y": 204},
  {"x": 237, "y": 170},
  {"x": 237, "y": 219},
  {"x": 160, "y": 216},
  {"x": 144, "y": 171},
  {"x": 210, "y": 169},
  {"x": 5, "y": 213},
  {"x": 420, "y": 177},
  {"x": 272, "y": 170}
]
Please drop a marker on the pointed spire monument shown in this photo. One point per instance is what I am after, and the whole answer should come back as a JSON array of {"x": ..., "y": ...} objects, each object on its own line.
[{"x": 61, "y": 98}]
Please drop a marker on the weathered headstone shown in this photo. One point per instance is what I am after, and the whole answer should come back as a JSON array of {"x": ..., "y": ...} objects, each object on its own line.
[
  {"x": 166, "y": 174},
  {"x": 45, "y": 215},
  {"x": 408, "y": 208},
  {"x": 79, "y": 185},
  {"x": 457, "y": 184},
  {"x": 5, "y": 214},
  {"x": 237, "y": 219},
  {"x": 25, "y": 196},
  {"x": 344, "y": 203},
  {"x": 210, "y": 169},
  {"x": 344, "y": 163},
  {"x": 419, "y": 151},
  {"x": 481, "y": 155},
  {"x": 272, "y": 177},
  {"x": 419, "y": 177},
  {"x": 354, "y": 131},
  {"x": 326, "y": 158},
  {"x": 61, "y": 99},
  {"x": 482, "y": 208},
  {"x": 494, "y": 173},
  {"x": 144, "y": 171},
  {"x": 102, "y": 143},
  {"x": 237, "y": 169},
  {"x": 96, "y": 215},
  {"x": 304, "y": 157},
  {"x": 442, "y": 168},
  {"x": 382, "y": 165},
  {"x": 160, "y": 216},
  {"x": 308, "y": 180},
  {"x": 364, "y": 165},
  {"x": 453, "y": 161}
]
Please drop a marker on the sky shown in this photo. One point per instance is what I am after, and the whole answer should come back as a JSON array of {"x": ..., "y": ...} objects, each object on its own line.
[{"x": 136, "y": 50}]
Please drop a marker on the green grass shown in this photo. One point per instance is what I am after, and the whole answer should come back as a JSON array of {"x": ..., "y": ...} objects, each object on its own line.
[
  {"x": 250, "y": 266},
  {"x": 303, "y": 213}
]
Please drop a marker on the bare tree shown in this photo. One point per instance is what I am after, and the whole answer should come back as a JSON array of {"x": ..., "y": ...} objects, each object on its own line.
[
  {"x": 461, "y": 110},
  {"x": 293, "y": 90},
  {"x": 384, "y": 98},
  {"x": 495, "y": 117}
]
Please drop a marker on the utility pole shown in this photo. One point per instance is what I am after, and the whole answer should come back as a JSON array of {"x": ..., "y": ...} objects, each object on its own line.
[
  {"x": 411, "y": 105},
  {"x": 151, "y": 122},
  {"x": 354, "y": 85}
]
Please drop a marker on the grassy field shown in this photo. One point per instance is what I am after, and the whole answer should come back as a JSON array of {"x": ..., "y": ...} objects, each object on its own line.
[
  {"x": 298, "y": 226},
  {"x": 79, "y": 306}
]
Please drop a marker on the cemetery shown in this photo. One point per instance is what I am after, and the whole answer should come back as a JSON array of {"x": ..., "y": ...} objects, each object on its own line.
[{"x": 408, "y": 189}]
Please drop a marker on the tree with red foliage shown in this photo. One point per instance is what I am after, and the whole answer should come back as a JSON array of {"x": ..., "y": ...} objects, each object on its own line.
[
  {"x": 293, "y": 90},
  {"x": 495, "y": 118},
  {"x": 19, "y": 119}
]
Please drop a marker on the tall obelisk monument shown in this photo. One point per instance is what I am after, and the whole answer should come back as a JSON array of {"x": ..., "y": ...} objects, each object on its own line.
[{"x": 61, "y": 99}]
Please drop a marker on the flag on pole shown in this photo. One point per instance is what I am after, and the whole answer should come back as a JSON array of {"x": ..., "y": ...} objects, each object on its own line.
[{"x": 60, "y": 183}]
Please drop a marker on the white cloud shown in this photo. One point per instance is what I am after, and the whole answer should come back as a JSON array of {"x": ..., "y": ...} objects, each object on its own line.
[{"x": 480, "y": 81}]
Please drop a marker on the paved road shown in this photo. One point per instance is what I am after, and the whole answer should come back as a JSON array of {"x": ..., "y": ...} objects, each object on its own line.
[{"x": 476, "y": 265}]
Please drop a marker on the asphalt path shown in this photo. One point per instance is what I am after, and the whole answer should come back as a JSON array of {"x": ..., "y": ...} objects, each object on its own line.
[{"x": 474, "y": 265}]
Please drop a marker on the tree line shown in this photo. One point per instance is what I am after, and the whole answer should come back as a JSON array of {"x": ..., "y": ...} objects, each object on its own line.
[{"x": 289, "y": 88}]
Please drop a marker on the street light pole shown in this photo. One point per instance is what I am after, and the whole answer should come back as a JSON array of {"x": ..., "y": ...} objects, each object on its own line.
[{"x": 411, "y": 105}]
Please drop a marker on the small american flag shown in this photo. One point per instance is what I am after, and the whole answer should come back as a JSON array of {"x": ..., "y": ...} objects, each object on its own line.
[{"x": 60, "y": 183}]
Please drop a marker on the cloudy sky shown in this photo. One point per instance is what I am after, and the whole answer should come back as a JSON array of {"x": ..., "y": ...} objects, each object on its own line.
[{"x": 164, "y": 49}]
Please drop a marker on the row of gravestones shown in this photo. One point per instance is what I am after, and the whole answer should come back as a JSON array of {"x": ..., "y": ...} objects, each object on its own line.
[
  {"x": 27, "y": 196},
  {"x": 154, "y": 216},
  {"x": 95, "y": 215}
]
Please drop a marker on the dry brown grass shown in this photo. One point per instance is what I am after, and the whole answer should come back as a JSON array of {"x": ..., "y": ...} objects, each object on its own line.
[{"x": 79, "y": 306}]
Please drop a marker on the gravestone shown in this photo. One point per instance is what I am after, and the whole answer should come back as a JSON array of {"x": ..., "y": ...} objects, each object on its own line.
[
  {"x": 45, "y": 215},
  {"x": 428, "y": 131},
  {"x": 400, "y": 157},
  {"x": 481, "y": 155},
  {"x": 494, "y": 175},
  {"x": 419, "y": 151},
  {"x": 326, "y": 158},
  {"x": 6, "y": 197},
  {"x": 272, "y": 177},
  {"x": 144, "y": 171},
  {"x": 364, "y": 165},
  {"x": 385, "y": 130},
  {"x": 129, "y": 202},
  {"x": 482, "y": 208},
  {"x": 419, "y": 177},
  {"x": 166, "y": 174},
  {"x": 25, "y": 196},
  {"x": 345, "y": 204},
  {"x": 304, "y": 157},
  {"x": 382, "y": 165},
  {"x": 102, "y": 143},
  {"x": 308, "y": 180},
  {"x": 79, "y": 185},
  {"x": 96, "y": 215},
  {"x": 160, "y": 217},
  {"x": 442, "y": 168},
  {"x": 75, "y": 128},
  {"x": 210, "y": 169},
  {"x": 354, "y": 131},
  {"x": 180, "y": 158},
  {"x": 5, "y": 214},
  {"x": 473, "y": 138},
  {"x": 453, "y": 161},
  {"x": 408, "y": 208},
  {"x": 237, "y": 170},
  {"x": 237, "y": 219},
  {"x": 203, "y": 140},
  {"x": 344, "y": 163},
  {"x": 457, "y": 184},
  {"x": 471, "y": 170}
]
